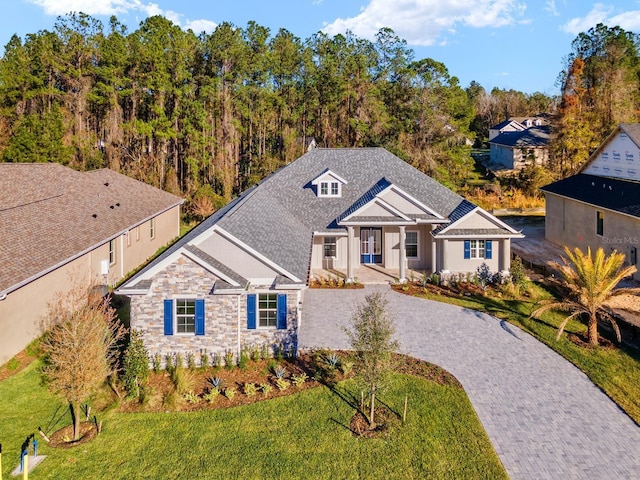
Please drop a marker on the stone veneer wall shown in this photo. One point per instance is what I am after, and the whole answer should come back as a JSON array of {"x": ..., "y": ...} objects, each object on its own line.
[{"x": 186, "y": 279}]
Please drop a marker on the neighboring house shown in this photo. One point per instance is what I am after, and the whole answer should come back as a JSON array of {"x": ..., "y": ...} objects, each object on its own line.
[
  {"x": 236, "y": 278},
  {"x": 600, "y": 206},
  {"x": 518, "y": 142},
  {"x": 59, "y": 226}
]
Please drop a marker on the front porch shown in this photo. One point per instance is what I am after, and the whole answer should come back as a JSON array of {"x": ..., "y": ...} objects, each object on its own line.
[{"x": 368, "y": 274}]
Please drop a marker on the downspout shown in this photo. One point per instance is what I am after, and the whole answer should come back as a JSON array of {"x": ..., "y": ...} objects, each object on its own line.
[{"x": 238, "y": 315}]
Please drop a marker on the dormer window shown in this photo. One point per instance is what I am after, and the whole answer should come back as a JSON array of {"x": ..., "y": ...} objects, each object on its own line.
[{"x": 328, "y": 184}]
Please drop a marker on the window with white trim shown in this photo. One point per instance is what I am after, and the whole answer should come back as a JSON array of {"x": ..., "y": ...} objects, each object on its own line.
[
  {"x": 329, "y": 189},
  {"x": 411, "y": 244},
  {"x": 128, "y": 234},
  {"x": 152, "y": 228},
  {"x": 185, "y": 315},
  {"x": 112, "y": 252},
  {"x": 329, "y": 247},
  {"x": 477, "y": 248},
  {"x": 267, "y": 309},
  {"x": 137, "y": 233}
]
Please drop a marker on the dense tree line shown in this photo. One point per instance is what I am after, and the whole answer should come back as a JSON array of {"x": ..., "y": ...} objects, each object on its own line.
[
  {"x": 600, "y": 89},
  {"x": 214, "y": 113}
]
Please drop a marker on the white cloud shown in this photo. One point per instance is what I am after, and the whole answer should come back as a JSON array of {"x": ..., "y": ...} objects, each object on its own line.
[
  {"x": 114, "y": 7},
  {"x": 423, "y": 22},
  {"x": 199, "y": 26},
  {"x": 600, "y": 13},
  {"x": 550, "y": 6}
]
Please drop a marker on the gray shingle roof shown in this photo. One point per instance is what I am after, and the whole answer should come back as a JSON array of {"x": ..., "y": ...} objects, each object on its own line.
[
  {"x": 219, "y": 266},
  {"x": 47, "y": 215},
  {"x": 476, "y": 232},
  {"x": 613, "y": 194},
  {"x": 462, "y": 209},
  {"x": 530, "y": 138},
  {"x": 277, "y": 217}
]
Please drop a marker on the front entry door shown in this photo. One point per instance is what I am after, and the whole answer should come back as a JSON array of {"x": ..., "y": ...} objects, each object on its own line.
[{"x": 370, "y": 245}]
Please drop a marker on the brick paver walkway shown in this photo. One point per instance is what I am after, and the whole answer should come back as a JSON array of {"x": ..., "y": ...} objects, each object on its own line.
[{"x": 545, "y": 418}]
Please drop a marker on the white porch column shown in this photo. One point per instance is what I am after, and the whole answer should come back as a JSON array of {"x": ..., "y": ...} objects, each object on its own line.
[
  {"x": 403, "y": 255},
  {"x": 349, "y": 254},
  {"x": 434, "y": 252},
  {"x": 505, "y": 254},
  {"x": 444, "y": 268}
]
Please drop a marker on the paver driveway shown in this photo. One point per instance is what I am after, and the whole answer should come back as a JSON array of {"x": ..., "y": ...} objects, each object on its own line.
[{"x": 544, "y": 417}]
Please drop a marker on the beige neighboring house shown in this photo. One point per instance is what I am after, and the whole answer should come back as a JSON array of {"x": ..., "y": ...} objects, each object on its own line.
[
  {"x": 600, "y": 205},
  {"x": 518, "y": 142},
  {"x": 58, "y": 225}
]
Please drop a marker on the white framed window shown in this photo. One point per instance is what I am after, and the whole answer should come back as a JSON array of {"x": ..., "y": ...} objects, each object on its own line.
[
  {"x": 112, "y": 252},
  {"x": 329, "y": 189},
  {"x": 138, "y": 233},
  {"x": 411, "y": 244},
  {"x": 185, "y": 315},
  {"x": 477, "y": 248},
  {"x": 152, "y": 228},
  {"x": 267, "y": 309},
  {"x": 329, "y": 247},
  {"x": 128, "y": 235}
]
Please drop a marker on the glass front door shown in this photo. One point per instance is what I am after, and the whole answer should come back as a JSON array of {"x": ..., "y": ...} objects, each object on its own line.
[{"x": 370, "y": 245}]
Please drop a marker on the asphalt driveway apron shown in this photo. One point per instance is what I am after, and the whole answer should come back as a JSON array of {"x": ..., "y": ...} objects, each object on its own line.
[{"x": 545, "y": 418}]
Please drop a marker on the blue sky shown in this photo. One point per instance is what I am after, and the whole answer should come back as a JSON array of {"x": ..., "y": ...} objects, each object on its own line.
[{"x": 515, "y": 44}]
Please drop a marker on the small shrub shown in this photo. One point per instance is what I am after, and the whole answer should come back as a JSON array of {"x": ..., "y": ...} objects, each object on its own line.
[
  {"x": 191, "y": 398},
  {"x": 282, "y": 384},
  {"x": 216, "y": 361},
  {"x": 230, "y": 392},
  {"x": 191, "y": 361},
  {"x": 279, "y": 352},
  {"x": 179, "y": 361},
  {"x": 346, "y": 366},
  {"x": 250, "y": 389},
  {"x": 266, "y": 389},
  {"x": 135, "y": 365},
  {"x": 204, "y": 360},
  {"x": 211, "y": 396},
  {"x": 434, "y": 279},
  {"x": 271, "y": 365},
  {"x": 169, "y": 363},
  {"x": 172, "y": 400},
  {"x": 156, "y": 362},
  {"x": 245, "y": 356},
  {"x": 484, "y": 275},
  {"x": 517, "y": 274},
  {"x": 279, "y": 372},
  {"x": 264, "y": 352},
  {"x": 182, "y": 380},
  {"x": 299, "y": 379},
  {"x": 228, "y": 360},
  {"x": 332, "y": 360},
  {"x": 255, "y": 353},
  {"x": 215, "y": 382}
]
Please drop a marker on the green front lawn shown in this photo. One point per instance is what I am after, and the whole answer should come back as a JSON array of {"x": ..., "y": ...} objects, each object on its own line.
[
  {"x": 302, "y": 435},
  {"x": 615, "y": 369}
]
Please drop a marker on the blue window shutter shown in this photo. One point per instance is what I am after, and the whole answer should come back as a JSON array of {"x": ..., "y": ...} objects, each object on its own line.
[
  {"x": 467, "y": 249},
  {"x": 200, "y": 317},
  {"x": 282, "y": 311},
  {"x": 251, "y": 311},
  {"x": 487, "y": 250},
  {"x": 168, "y": 317}
]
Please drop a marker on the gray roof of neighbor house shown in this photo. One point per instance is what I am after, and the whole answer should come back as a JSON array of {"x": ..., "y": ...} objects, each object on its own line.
[
  {"x": 612, "y": 194},
  {"x": 532, "y": 137},
  {"x": 278, "y": 216},
  {"x": 51, "y": 214},
  {"x": 633, "y": 130},
  {"x": 504, "y": 123}
]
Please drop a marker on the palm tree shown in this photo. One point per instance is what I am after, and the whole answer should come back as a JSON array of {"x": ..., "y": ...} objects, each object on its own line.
[{"x": 591, "y": 281}]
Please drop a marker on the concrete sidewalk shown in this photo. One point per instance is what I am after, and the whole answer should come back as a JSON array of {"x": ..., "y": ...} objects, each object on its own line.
[{"x": 545, "y": 418}]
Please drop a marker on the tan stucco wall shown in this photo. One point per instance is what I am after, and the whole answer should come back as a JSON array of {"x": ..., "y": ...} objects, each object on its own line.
[
  {"x": 455, "y": 261},
  {"x": 23, "y": 310},
  {"x": 573, "y": 224}
]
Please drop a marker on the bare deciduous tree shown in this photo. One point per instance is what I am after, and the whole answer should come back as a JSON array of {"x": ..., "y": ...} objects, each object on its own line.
[{"x": 80, "y": 349}]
